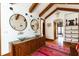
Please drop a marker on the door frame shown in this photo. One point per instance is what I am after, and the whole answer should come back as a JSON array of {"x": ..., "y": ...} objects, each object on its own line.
[{"x": 55, "y": 28}]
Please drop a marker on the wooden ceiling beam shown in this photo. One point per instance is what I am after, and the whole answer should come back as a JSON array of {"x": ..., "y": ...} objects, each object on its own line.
[
  {"x": 64, "y": 9},
  {"x": 50, "y": 13},
  {"x": 69, "y": 9},
  {"x": 46, "y": 9},
  {"x": 33, "y": 6}
]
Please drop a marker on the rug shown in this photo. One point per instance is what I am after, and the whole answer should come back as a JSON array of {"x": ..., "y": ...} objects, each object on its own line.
[{"x": 51, "y": 50}]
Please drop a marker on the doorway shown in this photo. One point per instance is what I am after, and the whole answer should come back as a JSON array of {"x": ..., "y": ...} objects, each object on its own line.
[{"x": 58, "y": 32}]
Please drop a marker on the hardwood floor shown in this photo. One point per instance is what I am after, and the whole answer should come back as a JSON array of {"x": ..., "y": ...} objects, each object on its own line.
[{"x": 56, "y": 43}]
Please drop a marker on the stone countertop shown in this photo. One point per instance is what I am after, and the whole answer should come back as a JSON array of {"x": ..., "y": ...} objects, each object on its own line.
[{"x": 25, "y": 39}]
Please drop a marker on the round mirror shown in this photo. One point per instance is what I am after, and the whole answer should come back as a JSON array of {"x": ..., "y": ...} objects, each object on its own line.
[
  {"x": 34, "y": 24},
  {"x": 18, "y": 22}
]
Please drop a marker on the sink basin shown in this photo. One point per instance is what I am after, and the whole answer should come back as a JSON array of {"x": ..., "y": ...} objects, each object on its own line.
[{"x": 21, "y": 39}]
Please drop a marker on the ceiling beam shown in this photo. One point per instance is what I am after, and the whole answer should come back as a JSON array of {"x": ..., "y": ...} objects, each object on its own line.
[
  {"x": 46, "y": 9},
  {"x": 32, "y": 8},
  {"x": 63, "y": 9},
  {"x": 69, "y": 9},
  {"x": 68, "y": 3},
  {"x": 50, "y": 13}
]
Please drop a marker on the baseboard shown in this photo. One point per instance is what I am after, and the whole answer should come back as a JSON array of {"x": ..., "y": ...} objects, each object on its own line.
[{"x": 49, "y": 39}]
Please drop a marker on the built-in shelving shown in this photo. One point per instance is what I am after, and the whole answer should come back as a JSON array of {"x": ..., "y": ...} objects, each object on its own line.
[{"x": 72, "y": 29}]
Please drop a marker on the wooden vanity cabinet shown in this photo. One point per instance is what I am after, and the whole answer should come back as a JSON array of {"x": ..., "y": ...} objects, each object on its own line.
[
  {"x": 24, "y": 48},
  {"x": 32, "y": 45},
  {"x": 21, "y": 49}
]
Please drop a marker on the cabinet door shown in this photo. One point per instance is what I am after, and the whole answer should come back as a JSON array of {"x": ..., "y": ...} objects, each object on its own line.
[
  {"x": 26, "y": 48},
  {"x": 37, "y": 43},
  {"x": 32, "y": 45},
  {"x": 43, "y": 41},
  {"x": 17, "y": 50},
  {"x": 22, "y": 49}
]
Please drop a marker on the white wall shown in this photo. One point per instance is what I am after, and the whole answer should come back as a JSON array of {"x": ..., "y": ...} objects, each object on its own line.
[
  {"x": 50, "y": 30},
  {"x": 7, "y": 33}
]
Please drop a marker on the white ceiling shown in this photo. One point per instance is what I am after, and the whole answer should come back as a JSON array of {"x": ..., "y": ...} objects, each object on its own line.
[{"x": 43, "y": 5}]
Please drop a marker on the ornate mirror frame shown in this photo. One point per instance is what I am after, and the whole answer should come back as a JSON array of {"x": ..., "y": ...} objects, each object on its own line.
[
  {"x": 34, "y": 26},
  {"x": 12, "y": 22}
]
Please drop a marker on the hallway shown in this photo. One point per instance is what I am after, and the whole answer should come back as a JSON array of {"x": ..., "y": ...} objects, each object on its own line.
[{"x": 60, "y": 40}]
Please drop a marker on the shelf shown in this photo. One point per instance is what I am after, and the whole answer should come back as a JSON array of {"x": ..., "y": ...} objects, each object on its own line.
[
  {"x": 72, "y": 25},
  {"x": 71, "y": 41},
  {"x": 72, "y": 37},
  {"x": 71, "y": 29},
  {"x": 71, "y": 33}
]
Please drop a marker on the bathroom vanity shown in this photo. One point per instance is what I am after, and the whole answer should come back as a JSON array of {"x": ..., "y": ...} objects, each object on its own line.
[{"x": 26, "y": 47}]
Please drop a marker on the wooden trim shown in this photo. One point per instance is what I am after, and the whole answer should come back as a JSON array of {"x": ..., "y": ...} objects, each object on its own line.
[
  {"x": 40, "y": 27},
  {"x": 44, "y": 28},
  {"x": 33, "y": 6},
  {"x": 71, "y": 3},
  {"x": 49, "y": 39},
  {"x": 68, "y": 3},
  {"x": 68, "y": 9},
  {"x": 46, "y": 9},
  {"x": 64, "y": 9}
]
